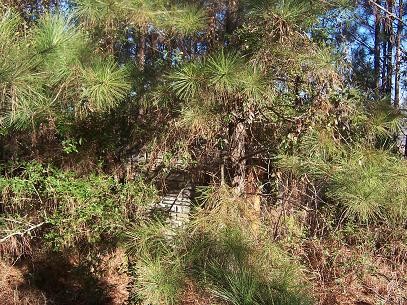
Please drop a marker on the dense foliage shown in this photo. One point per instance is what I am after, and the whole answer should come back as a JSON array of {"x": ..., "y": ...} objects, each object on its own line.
[{"x": 279, "y": 115}]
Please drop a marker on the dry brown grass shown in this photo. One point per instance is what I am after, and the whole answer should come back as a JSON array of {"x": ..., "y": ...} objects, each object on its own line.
[
  {"x": 192, "y": 295},
  {"x": 343, "y": 275},
  {"x": 53, "y": 279},
  {"x": 14, "y": 289},
  {"x": 112, "y": 271}
]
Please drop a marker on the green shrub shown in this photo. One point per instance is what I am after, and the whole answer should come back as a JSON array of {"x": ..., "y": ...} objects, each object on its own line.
[{"x": 77, "y": 209}]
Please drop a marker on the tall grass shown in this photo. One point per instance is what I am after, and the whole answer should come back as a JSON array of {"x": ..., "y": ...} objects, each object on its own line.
[
  {"x": 221, "y": 254},
  {"x": 159, "y": 280}
]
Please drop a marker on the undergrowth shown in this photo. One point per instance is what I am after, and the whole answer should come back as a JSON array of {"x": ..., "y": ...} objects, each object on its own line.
[
  {"x": 72, "y": 209},
  {"x": 221, "y": 253}
]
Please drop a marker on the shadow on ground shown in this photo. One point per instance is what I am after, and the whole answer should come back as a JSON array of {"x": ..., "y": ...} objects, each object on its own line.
[{"x": 63, "y": 281}]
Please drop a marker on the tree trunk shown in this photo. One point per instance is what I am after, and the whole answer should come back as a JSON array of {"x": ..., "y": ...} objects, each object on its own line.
[
  {"x": 377, "y": 40},
  {"x": 390, "y": 46},
  {"x": 141, "y": 54},
  {"x": 212, "y": 35},
  {"x": 231, "y": 16},
  {"x": 253, "y": 199},
  {"x": 398, "y": 57},
  {"x": 384, "y": 56},
  {"x": 237, "y": 155},
  {"x": 405, "y": 148}
]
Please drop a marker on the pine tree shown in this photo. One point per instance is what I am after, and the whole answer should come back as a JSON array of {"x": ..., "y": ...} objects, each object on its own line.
[{"x": 253, "y": 100}]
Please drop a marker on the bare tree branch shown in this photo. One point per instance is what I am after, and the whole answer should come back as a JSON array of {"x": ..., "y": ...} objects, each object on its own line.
[
  {"x": 22, "y": 233},
  {"x": 387, "y": 11}
]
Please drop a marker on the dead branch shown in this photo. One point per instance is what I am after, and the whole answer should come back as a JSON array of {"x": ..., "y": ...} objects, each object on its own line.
[{"x": 22, "y": 233}]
